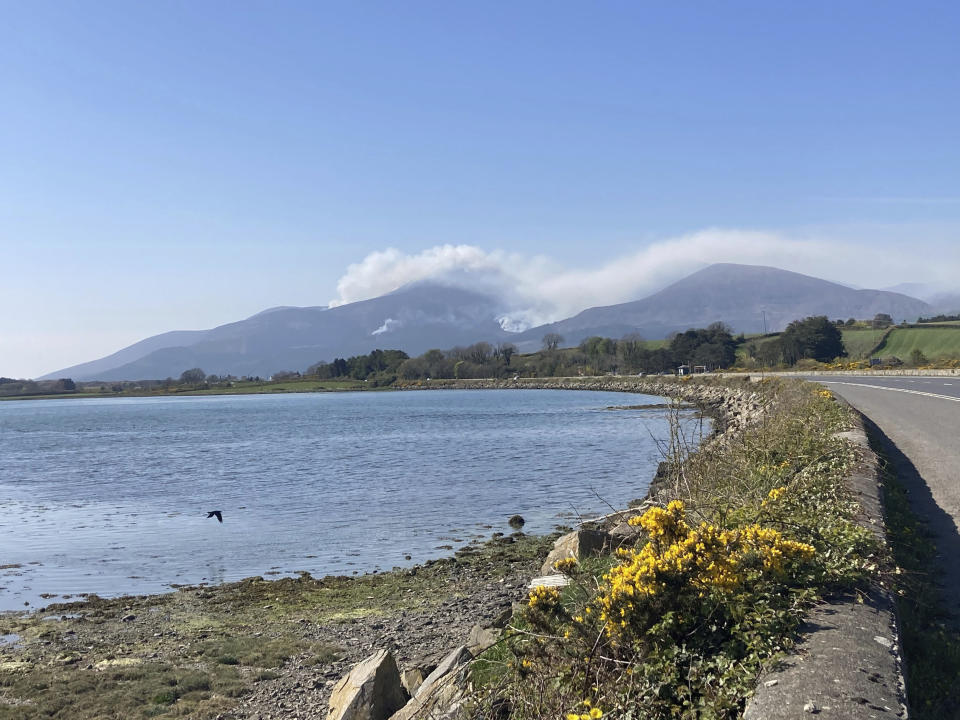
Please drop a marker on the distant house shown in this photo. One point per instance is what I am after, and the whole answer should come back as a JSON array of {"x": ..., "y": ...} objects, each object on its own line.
[
  {"x": 699, "y": 369},
  {"x": 683, "y": 370}
]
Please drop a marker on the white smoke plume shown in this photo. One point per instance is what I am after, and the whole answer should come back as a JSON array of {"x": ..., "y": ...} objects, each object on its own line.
[
  {"x": 388, "y": 325},
  {"x": 541, "y": 290}
]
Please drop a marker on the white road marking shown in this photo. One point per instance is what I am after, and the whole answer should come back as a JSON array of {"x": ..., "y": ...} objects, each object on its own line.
[{"x": 881, "y": 387}]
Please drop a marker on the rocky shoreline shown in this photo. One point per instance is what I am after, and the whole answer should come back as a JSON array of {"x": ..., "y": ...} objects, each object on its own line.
[
  {"x": 731, "y": 408},
  {"x": 318, "y": 627}
]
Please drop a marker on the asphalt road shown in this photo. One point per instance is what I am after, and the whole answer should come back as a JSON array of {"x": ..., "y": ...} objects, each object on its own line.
[{"x": 920, "y": 417}]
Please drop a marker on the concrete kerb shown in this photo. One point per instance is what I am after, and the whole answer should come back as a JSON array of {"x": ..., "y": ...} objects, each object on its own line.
[{"x": 848, "y": 663}]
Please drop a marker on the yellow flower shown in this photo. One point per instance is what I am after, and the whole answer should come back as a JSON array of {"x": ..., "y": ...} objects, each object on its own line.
[
  {"x": 703, "y": 560},
  {"x": 774, "y": 495},
  {"x": 565, "y": 565},
  {"x": 544, "y": 597}
]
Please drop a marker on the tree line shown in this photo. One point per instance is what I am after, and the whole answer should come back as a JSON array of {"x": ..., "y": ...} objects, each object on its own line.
[
  {"x": 813, "y": 338},
  {"x": 939, "y": 318},
  {"x": 9, "y": 387},
  {"x": 713, "y": 348}
]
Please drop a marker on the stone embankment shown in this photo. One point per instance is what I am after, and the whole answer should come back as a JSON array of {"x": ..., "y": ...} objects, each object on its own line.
[{"x": 732, "y": 408}]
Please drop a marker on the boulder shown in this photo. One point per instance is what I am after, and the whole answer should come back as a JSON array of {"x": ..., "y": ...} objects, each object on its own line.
[
  {"x": 442, "y": 702},
  {"x": 481, "y": 638},
  {"x": 578, "y": 544},
  {"x": 625, "y": 534},
  {"x": 441, "y": 693},
  {"x": 412, "y": 679},
  {"x": 455, "y": 659},
  {"x": 372, "y": 690}
]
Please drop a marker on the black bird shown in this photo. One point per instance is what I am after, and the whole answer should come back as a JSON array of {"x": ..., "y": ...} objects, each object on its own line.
[{"x": 216, "y": 514}]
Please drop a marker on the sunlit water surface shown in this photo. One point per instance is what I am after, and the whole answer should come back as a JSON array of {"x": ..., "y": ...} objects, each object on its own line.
[{"x": 110, "y": 496}]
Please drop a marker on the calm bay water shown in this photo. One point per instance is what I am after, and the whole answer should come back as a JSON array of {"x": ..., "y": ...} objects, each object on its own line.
[{"x": 110, "y": 496}]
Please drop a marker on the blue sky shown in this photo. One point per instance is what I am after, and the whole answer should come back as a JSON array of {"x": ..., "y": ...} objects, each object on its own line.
[{"x": 179, "y": 165}]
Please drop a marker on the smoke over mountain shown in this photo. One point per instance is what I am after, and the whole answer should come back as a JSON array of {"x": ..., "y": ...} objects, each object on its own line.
[{"x": 543, "y": 291}]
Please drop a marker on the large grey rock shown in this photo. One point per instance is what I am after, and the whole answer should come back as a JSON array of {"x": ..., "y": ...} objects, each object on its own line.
[
  {"x": 412, "y": 679},
  {"x": 625, "y": 534},
  {"x": 442, "y": 691},
  {"x": 481, "y": 638},
  {"x": 578, "y": 544},
  {"x": 372, "y": 690},
  {"x": 455, "y": 659}
]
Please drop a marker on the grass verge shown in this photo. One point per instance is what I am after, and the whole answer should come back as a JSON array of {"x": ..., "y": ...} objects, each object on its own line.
[
  {"x": 746, "y": 534},
  {"x": 930, "y": 635}
]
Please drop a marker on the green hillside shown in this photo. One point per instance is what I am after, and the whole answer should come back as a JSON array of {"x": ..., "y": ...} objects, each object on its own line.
[
  {"x": 859, "y": 342},
  {"x": 934, "y": 342}
]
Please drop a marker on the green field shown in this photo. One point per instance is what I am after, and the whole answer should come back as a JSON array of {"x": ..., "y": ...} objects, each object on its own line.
[
  {"x": 934, "y": 342},
  {"x": 859, "y": 342}
]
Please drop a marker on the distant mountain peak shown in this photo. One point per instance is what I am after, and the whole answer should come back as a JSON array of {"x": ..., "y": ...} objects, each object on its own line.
[
  {"x": 749, "y": 298},
  {"x": 413, "y": 318},
  {"x": 442, "y": 313}
]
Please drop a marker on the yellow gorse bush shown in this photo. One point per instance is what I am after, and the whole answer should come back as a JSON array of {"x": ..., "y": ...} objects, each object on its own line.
[
  {"x": 566, "y": 565},
  {"x": 663, "y": 524},
  {"x": 544, "y": 597},
  {"x": 773, "y": 496},
  {"x": 681, "y": 559},
  {"x": 681, "y": 623}
]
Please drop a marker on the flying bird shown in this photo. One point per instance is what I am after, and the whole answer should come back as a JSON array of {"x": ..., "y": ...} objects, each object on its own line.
[{"x": 216, "y": 514}]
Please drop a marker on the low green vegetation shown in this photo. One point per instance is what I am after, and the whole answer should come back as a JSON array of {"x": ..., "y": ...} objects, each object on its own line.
[
  {"x": 861, "y": 342},
  {"x": 933, "y": 343},
  {"x": 928, "y": 630},
  {"x": 745, "y": 535}
]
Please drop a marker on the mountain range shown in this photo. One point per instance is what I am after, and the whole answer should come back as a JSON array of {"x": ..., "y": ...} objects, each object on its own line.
[
  {"x": 426, "y": 315},
  {"x": 748, "y": 298}
]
